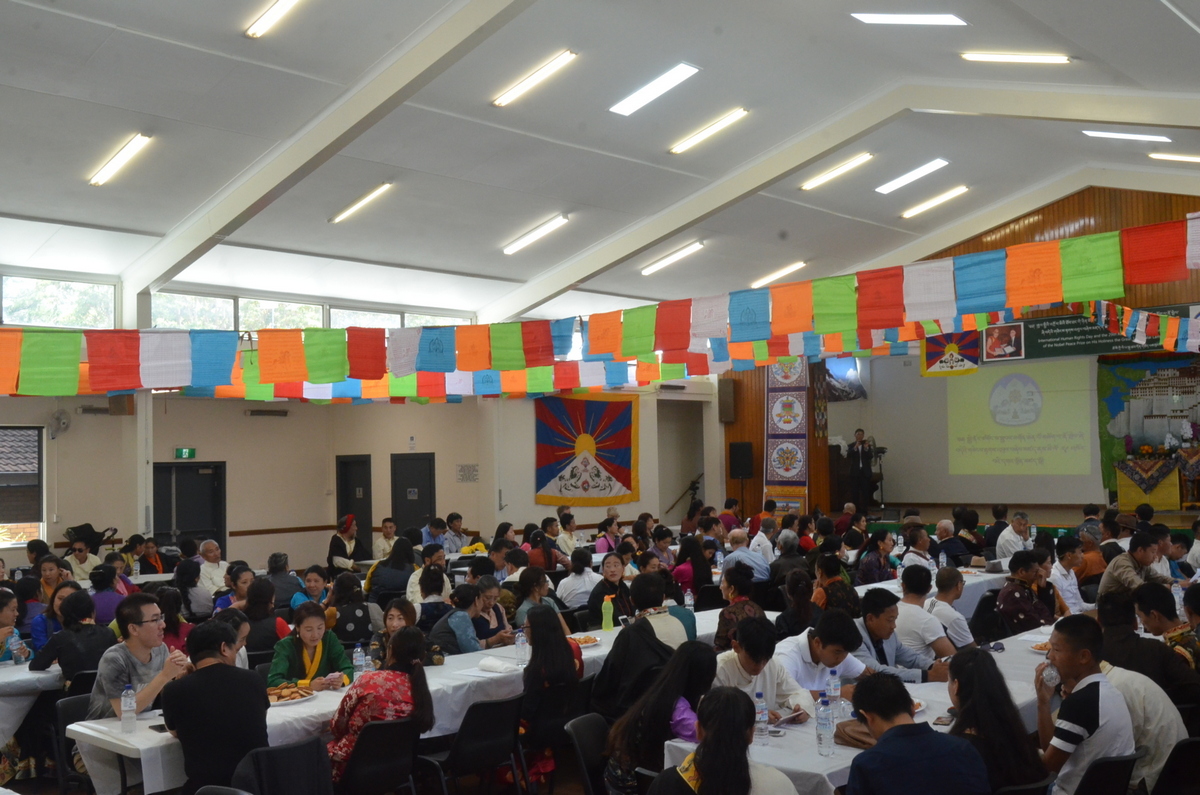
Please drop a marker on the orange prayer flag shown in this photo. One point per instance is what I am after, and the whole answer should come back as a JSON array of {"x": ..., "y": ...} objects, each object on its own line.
[
  {"x": 833, "y": 343},
  {"x": 375, "y": 389},
  {"x": 85, "y": 380},
  {"x": 474, "y": 344},
  {"x": 741, "y": 350},
  {"x": 1170, "y": 337},
  {"x": 791, "y": 308},
  {"x": 604, "y": 333},
  {"x": 908, "y": 332},
  {"x": 969, "y": 323},
  {"x": 10, "y": 360},
  {"x": 281, "y": 356},
  {"x": 647, "y": 371},
  {"x": 1034, "y": 274},
  {"x": 236, "y": 388},
  {"x": 515, "y": 380}
]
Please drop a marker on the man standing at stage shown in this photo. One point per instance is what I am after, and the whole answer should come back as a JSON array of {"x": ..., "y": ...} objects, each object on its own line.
[{"x": 861, "y": 453}]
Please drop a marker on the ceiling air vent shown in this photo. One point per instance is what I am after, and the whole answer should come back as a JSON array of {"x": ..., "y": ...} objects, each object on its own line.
[{"x": 266, "y": 412}]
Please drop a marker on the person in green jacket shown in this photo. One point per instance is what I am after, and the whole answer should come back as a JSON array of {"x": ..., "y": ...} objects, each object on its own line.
[{"x": 311, "y": 656}]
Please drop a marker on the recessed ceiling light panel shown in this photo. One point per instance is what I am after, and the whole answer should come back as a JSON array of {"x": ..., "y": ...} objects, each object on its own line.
[
  {"x": 909, "y": 19},
  {"x": 361, "y": 203},
  {"x": 272, "y": 15},
  {"x": 912, "y": 176},
  {"x": 837, "y": 171},
  {"x": 1177, "y": 158},
  {"x": 935, "y": 201},
  {"x": 654, "y": 89},
  {"x": 537, "y": 76}
]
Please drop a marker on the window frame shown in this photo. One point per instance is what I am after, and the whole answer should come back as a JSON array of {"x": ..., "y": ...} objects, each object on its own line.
[{"x": 41, "y": 483}]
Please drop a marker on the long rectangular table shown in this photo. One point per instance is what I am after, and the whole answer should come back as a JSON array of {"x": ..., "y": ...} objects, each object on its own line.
[
  {"x": 19, "y": 689},
  {"x": 454, "y": 686},
  {"x": 976, "y": 584}
]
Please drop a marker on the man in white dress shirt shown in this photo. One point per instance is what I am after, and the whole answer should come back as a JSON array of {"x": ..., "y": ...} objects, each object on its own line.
[
  {"x": 1069, "y": 551},
  {"x": 830, "y": 645},
  {"x": 918, "y": 550},
  {"x": 752, "y": 668},
  {"x": 212, "y": 570},
  {"x": 1015, "y": 537},
  {"x": 382, "y": 546}
]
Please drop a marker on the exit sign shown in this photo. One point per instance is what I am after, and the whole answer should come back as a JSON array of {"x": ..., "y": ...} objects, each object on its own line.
[{"x": 185, "y": 452}]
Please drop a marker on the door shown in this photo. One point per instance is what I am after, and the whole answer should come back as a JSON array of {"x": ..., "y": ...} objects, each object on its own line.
[
  {"x": 413, "y": 497},
  {"x": 189, "y": 502},
  {"x": 354, "y": 490}
]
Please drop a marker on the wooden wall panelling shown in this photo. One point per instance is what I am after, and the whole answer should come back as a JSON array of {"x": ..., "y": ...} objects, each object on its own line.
[
  {"x": 819, "y": 491},
  {"x": 749, "y": 394}
]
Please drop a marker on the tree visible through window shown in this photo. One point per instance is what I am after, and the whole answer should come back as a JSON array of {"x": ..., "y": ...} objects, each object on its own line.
[
  {"x": 20, "y": 484},
  {"x": 175, "y": 310},
  {"x": 44, "y": 302}
]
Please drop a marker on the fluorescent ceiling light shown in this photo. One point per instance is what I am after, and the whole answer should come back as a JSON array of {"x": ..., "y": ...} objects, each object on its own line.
[
  {"x": 912, "y": 176},
  {"x": 712, "y": 129},
  {"x": 118, "y": 161},
  {"x": 777, "y": 275},
  {"x": 1127, "y": 136},
  {"x": 535, "y": 235},
  {"x": 671, "y": 259},
  {"x": 654, "y": 89},
  {"x": 1015, "y": 57},
  {"x": 909, "y": 19},
  {"x": 935, "y": 201},
  {"x": 268, "y": 20},
  {"x": 837, "y": 171},
  {"x": 1179, "y": 158},
  {"x": 540, "y": 74},
  {"x": 358, "y": 205}
]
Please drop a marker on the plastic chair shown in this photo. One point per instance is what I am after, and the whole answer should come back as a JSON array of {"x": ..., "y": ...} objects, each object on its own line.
[
  {"x": 286, "y": 614},
  {"x": 82, "y": 684},
  {"x": 263, "y": 670},
  {"x": 295, "y": 769},
  {"x": 555, "y": 706},
  {"x": 710, "y": 598},
  {"x": 578, "y": 620},
  {"x": 589, "y": 735},
  {"x": 1181, "y": 773},
  {"x": 1089, "y": 592},
  {"x": 1109, "y": 775},
  {"x": 486, "y": 740},
  {"x": 557, "y": 576},
  {"x": 382, "y": 759},
  {"x": 71, "y": 709},
  {"x": 257, "y": 658},
  {"x": 986, "y": 624},
  {"x": 1189, "y": 713},
  {"x": 1040, "y": 788}
]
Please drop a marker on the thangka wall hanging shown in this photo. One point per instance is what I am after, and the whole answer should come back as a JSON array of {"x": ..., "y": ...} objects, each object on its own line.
[
  {"x": 587, "y": 450},
  {"x": 785, "y": 471}
]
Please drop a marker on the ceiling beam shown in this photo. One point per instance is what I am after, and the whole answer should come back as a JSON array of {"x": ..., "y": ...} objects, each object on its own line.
[
  {"x": 427, "y": 53},
  {"x": 873, "y": 112}
]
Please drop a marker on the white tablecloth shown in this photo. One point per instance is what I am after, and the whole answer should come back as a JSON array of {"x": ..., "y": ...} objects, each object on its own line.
[
  {"x": 19, "y": 689},
  {"x": 454, "y": 686},
  {"x": 976, "y": 584}
]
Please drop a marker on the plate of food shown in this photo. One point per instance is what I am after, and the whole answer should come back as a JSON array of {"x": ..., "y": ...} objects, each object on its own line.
[
  {"x": 587, "y": 640},
  {"x": 288, "y": 693},
  {"x": 1040, "y": 648},
  {"x": 918, "y": 705}
]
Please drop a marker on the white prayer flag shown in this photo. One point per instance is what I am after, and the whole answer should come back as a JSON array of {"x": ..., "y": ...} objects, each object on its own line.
[
  {"x": 591, "y": 374},
  {"x": 796, "y": 344},
  {"x": 402, "y": 351},
  {"x": 318, "y": 391},
  {"x": 929, "y": 290},
  {"x": 166, "y": 359},
  {"x": 460, "y": 383},
  {"x": 1193, "y": 241},
  {"x": 1139, "y": 335},
  {"x": 710, "y": 317}
]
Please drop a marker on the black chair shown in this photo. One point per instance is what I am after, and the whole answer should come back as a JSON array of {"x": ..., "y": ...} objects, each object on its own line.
[
  {"x": 986, "y": 624},
  {"x": 1093, "y": 580},
  {"x": 710, "y": 598},
  {"x": 1040, "y": 788},
  {"x": 1089, "y": 593},
  {"x": 1109, "y": 775},
  {"x": 212, "y": 789},
  {"x": 583, "y": 696},
  {"x": 382, "y": 759},
  {"x": 384, "y": 598},
  {"x": 486, "y": 740},
  {"x": 578, "y": 620},
  {"x": 257, "y": 658},
  {"x": 557, "y": 576},
  {"x": 71, "y": 709},
  {"x": 286, "y": 614},
  {"x": 1189, "y": 713},
  {"x": 589, "y": 735},
  {"x": 963, "y": 561},
  {"x": 82, "y": 684},
  {"x": 263, "y": 670},
  {"x": 1181, "y": 773},
  {"x": 546, "y": 727},
  {"x": 645, "y": 778},
  {"x": 295, "y": 769},
  {"x": 989, "y": 553}
]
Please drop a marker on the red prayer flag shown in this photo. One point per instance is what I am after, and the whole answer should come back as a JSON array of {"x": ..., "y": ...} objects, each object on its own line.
[
  {"x": 566, "y": 375},
  {"x": 697, "y": 364},
  {"x": 1156, "y": 253},
  {"x": 778, "y": 346},
  {"x": 673, "y": 325},
  {"x": 292, "y": 389},
  {"x": 114, "y": 359},
  {"x": 431, "y": 385},
  {"x": 1152, "y": 326},
  {"x": 538, "y": 343},
  {"x": 366, "y": 348},
  {"x": 880, "y": 299}
]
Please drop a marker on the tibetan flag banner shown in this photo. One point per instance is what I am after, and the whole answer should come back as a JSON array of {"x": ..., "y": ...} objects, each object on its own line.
[
  {"x": 1091, "y": 267},
  {"x": 749, "y": 315},
  {"x": 1034, "y": 274},
  {"x": 929, "y": 290},
  {"x": 588, "y": 356},
  {"x": 673, "y": 326},
  {"x": 114, "y": 359},
  {"x": 587, "y": 450},
  {"x": 166, "y": 359},
  {"x": 366, "y": 348},
  {"x": 791, "y": 307},
  {"x": 508, "y": 347},
  {"x": 980, "y": 282},
  {"x": 950, "y": 354},
  {"x": 50, "y": 363},
  {"x": 1155, "y": 253},
  {"x": 474, "y": 345},
  {"x": 281, "y": 355},
  {"x": 10, "y": 360},
  {"x": 213, "y": 355},
  {"x": 538, "y": 343},
  {"x": 325, "y": 352},
  {"x": 877, "y": 294},
  {"x": 514, "y": 381},
  {"x": 835, "y": 304},
  {"x": 637, "y": 330},
  {"x": 255, "y": 389},
  {"x": 435, "y": 351}
]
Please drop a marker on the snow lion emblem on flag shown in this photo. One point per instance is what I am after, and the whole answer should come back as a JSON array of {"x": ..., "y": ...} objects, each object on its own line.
[{"x": 587, "y": 450}]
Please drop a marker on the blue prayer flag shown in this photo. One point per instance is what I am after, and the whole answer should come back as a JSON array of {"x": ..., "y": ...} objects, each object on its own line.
[
  {"x": 749, "y": 315},
  {"x": 980, "y": 281},
  {"x": 561, "y": 332},
  {"x": 435, "y": 350},
  {"x": 213, "y": 354}
]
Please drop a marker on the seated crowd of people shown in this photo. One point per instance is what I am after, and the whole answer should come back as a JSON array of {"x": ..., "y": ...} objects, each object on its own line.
[{"x": 189, "y": 642}]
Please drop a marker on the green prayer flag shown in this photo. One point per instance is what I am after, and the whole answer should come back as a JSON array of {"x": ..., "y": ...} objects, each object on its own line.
[
  {"x": 404, "y": 386},
  {"x": 50, "y": 363},
  {"x": 761, "y": 351},
  {"x": 252, "y": 378},
  {"x": 672, "y": 372},
  {"x": 637, "y": 330},
  {"x": 325, "y": 353},
  {"x": 932, "y": 329},
  {"x": 1092, "y": 268},
  {"x": 981, "y": 320},
  {"x": 835, "y": 304},
  {"x": 539, "y": 379},
  {"x": 788, "y": 359},
  {"x": 420, "y": 401},
  {"x": 861, "y": 354},
  {"x": 508, "y": 349}
]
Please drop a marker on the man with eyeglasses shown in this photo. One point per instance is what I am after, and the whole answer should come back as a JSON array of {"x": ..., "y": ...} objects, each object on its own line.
[
  {"x": 81, "y": 560},
  {"x": 142, "y": 660}
]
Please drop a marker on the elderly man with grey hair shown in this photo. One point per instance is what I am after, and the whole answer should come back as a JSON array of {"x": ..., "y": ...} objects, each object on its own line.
[
  {"x": 739, "y": 541},
  {"x": 764, "y": 540},
  {"x": 212, "y": 570},
  {"x": 789, "y": 558},
  {"x": 286, "y": 583},
  {"x": 1015, "y": 538},
  {"x": 956, "y": 551}
]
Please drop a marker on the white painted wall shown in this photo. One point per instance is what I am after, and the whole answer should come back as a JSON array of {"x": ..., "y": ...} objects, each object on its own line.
[{"x": 680, "y": 454}]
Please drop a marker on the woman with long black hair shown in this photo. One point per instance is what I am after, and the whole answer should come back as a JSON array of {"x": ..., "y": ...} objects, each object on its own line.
[
  {"x": 691, "y": 521},
  {"x": 720, "y": 764},
  {"x": 801, "y": 613},
  {"x": 554, "y": 659},
  {"x": 391, "y": 574},
  {"x": 667, "y": 710},
  {"x": 693, "y": 569},
  {"x": 197, "y": 601},
  {"x": 988, "y": 719},
  {"x": 875, "y": 562}
]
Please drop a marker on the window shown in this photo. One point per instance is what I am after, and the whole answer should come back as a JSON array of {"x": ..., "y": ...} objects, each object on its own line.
[
  {"x": 20, "y": 485},
  {"x": 344, "y": 318},
  {"x": 43, "y": 302},
  {"x": 412, "y": 319},
  {"x": 174, "y": 310},
  {"x": 254, "y": 314}
]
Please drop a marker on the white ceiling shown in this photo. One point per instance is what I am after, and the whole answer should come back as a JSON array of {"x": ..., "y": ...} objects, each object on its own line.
[{"x": 78, "y": 79}]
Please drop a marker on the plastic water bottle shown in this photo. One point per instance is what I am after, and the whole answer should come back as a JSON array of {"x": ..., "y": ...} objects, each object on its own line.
[
  {"x": 1051, "y": 676},
  {"x": 942, "y": 560},
  {"x": 833, "y": 690},
  {"x": 360, "y": 661},
  {"x": 1177, "y": 592},
  {"x": 522, "y": 644},
  {"x": 760, "y": 720},
  {"x": 689, "y": 600},
  {"x": 825, "y": 728},
  {"x": 137, "y": 568},
  {"x": 128, "y": 710},
  {"x": 606, "y": 615},
  {"x": 20, "y": 652}
]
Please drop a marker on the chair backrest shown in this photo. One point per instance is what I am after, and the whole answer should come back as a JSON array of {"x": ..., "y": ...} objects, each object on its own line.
[
  {"x": 1181, "y": 773},
  {"x": 645, "y": 778},
  {"x": 1109, "y": 775},
  {"x": 589, "y": 735},
  {"x": 1089, "y": 592},
  {"x": 285, "y": 613},
  {"x": 382, "y": 758},
  {"x": 583, "y": 696},
  {"x": 986, "y": 624},
  {"x": 710, "y": 598},
  {"x": 257, "y": 658},
  {"x": 579, "y": 619},
  {"x": 487, "y": 737},
  {"x": 263, "y": 670},
  {"x": 82, "y": 683},
  {"x": 1040, "y": 788},
  {"x": 301, "y": 768},
  {"x": 71, "y": 709},
  {"x": 557, "y": 576}
]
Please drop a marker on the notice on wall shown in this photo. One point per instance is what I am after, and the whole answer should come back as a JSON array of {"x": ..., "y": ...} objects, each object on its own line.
[{"x": 1078, "y": 335}]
